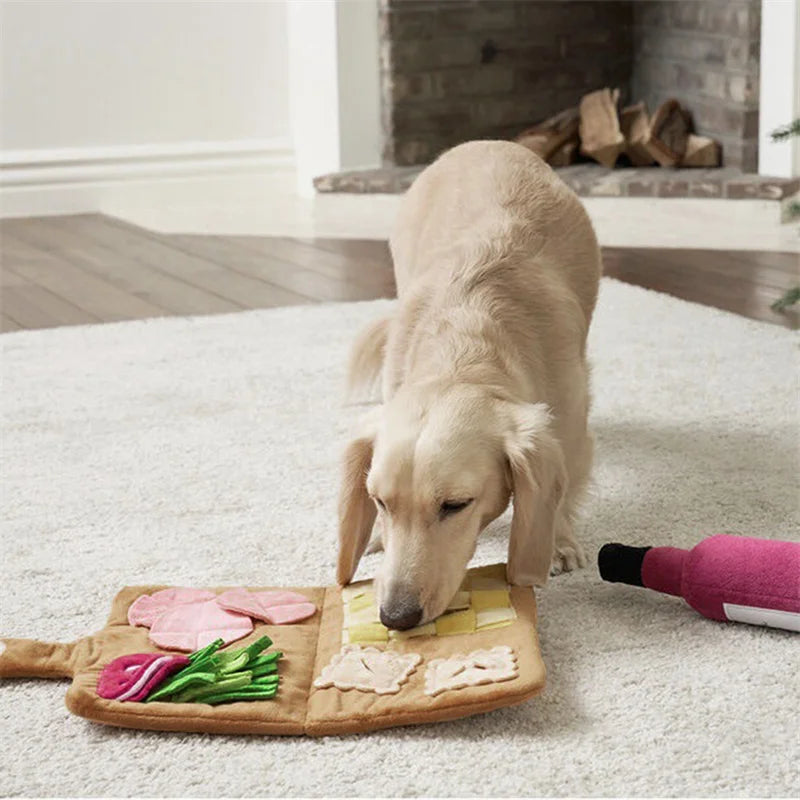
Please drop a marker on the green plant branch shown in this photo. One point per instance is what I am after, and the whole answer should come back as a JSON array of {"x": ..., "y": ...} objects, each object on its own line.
[
  {"x": 790, "y": 298},
  {"x": 786, "y": 131}
]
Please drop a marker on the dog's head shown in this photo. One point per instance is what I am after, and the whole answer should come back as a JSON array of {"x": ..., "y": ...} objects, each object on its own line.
[{"x": 434, "y": 468}]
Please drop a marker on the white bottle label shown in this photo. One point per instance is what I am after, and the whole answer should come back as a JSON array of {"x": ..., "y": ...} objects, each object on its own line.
[{"x": 772, "y": 618}]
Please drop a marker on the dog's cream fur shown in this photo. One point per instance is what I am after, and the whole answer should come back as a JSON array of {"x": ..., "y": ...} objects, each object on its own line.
[{"x": 484, "y": 375}]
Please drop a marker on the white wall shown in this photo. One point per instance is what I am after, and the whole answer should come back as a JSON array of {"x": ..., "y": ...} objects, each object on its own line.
[
  {"x": 334, "y": 86},
  {"x": 359, "y": 83},
  {"x": 94, "y": 75},
  {"x": 96, "y": 95},
  {"x": 779, "y": 94}
]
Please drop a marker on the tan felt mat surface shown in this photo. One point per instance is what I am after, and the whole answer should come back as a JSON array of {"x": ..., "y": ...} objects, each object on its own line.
[{"x": 298, "y": 707}]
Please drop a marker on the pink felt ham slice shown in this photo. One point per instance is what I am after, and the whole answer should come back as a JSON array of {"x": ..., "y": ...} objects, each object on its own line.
[
  {"x": 190, "y": 626},
  {"x": 131, "y": 678},
  {"x": 145, "y": 610},
  {"x": 188, "y": 619},
  {"x": 276, "y": 607}
]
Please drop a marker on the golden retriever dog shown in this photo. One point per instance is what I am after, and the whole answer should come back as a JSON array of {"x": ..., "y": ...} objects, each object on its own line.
[{"x": 485, "y": 382}]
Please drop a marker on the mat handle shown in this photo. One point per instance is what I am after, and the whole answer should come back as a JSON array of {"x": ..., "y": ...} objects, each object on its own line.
[{"x": 29, "y": 658}]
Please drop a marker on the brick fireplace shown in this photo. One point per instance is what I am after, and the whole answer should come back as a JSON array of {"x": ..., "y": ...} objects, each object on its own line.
[
  {"x": 706, "y": 52},
  {"x": 454, "y": 70}
]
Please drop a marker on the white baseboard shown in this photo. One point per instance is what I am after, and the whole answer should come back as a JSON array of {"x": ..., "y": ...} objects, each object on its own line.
[
  {"x": 247, "y": 205},
  {"x": 83, "y": 180},
  {"x": 691, "y": 222}
]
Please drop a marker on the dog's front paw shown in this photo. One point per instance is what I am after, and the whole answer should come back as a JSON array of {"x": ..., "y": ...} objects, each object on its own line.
[
  {"x": 375, "y": 545},
  {"x": 569, "y": 556}
]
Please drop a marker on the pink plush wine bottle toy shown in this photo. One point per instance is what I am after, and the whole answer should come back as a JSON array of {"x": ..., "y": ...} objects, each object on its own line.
[{"x": 727, "y": 578}]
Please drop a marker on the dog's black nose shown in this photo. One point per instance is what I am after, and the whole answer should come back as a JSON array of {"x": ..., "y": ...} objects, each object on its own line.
[
  {"x": 400, "y": 609},
  {"x": 401, "y": 619}
]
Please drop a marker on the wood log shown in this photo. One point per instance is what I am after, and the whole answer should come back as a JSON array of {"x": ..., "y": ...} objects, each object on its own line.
[
  {"x": 701, "y": 151},
  {"x": 546, "y": 137},
  {"x": 669, "y": 132},
  {"x": 565, "y": 155},
  {"x": 634, "y": 121},
  {"x": 601, "y": 138}
]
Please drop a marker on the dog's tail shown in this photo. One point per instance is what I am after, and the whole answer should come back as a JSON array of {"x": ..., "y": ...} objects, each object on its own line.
[{"x": 366, "y": 357}]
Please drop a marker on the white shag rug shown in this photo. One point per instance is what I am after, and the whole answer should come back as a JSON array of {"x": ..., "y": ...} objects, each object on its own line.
[{"x": 205, "y": 451}]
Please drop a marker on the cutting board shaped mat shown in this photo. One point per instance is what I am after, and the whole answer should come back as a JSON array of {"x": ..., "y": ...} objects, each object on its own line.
[{"x": 486, "y": 614}]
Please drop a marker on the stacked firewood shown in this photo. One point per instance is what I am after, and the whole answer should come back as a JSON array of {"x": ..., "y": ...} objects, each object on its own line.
[{"x": 599, "y": 130}]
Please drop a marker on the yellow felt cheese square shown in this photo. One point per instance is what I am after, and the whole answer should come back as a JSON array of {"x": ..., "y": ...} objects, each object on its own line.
[
  {"x": 363, "y": 616},
  {"x": 420, "y": 630},
  {"x": 494, "y": 618},
  {"x": 491, "y": 598},
  {"x": 370, "y": 632},
  {"x": 459, "y": 602},
  {"x": 457, "y": 622},
  {"x": 360, "y": 602},
  {"x": 502, "y": 624}
]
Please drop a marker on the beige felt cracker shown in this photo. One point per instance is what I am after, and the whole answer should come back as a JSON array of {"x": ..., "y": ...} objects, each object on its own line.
[
  {"x": 474, "y": 669},
  {"x": 368, "y": 670}
]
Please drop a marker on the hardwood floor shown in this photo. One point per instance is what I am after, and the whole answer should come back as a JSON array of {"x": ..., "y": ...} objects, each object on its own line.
[{"x": 91, "y": 268}]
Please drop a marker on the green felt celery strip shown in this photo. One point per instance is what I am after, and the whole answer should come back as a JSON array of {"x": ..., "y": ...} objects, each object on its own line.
[
  {"x": 235, "y": 664},
  {"x": 264, "y": 669},
  {"x": 201, "y": 662},
  {"x": 208, "y": 650},
  {"x": 226, "y": 656},
  {"x": 235, "y": 660},
  {"x": 227, "y": 685},
  {"x": 228, "y": 676},
  {"x": 204, "y": 660},
  {"x": 175, "y": 685},
  {"x": 256, "y": 647},
  {"x": 265, "y": 680},
  {"x": 207, "y": 664},
  {"x": 241, "y": 694},
  {"x": 267, "y": 658},
  {"x": 271, "y": 677},
  {"x": 246, "y": 672}
]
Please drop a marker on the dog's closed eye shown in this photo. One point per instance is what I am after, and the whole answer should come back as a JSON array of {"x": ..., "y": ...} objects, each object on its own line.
[{"x": 450, "y": 507}]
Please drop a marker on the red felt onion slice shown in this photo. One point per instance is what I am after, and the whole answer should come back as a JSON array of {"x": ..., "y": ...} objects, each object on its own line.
[{"x": 131, "y": 678}]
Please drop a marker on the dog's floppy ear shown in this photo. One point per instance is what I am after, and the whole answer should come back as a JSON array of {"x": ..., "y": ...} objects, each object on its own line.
[
  {"x": 357, "y": 512},
  {"x": 538, "y": 478}
]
